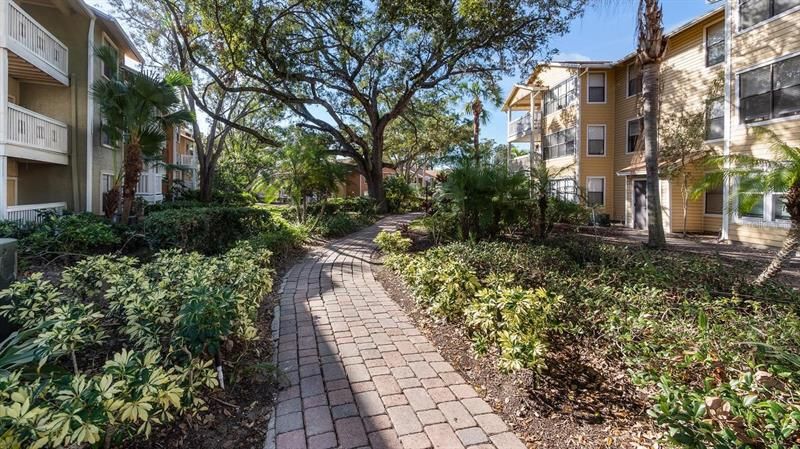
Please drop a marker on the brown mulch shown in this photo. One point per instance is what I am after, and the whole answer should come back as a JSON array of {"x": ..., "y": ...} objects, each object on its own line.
[
  {"x": 236, "y": 417},
  {"x": 581, "y": 401}
]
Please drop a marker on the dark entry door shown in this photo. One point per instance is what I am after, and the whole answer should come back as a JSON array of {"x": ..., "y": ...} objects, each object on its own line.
[{"x": 640, "y": 204}]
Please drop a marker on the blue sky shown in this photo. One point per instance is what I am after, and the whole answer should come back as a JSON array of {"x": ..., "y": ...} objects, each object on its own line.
[{"x": 603, "y": 33}]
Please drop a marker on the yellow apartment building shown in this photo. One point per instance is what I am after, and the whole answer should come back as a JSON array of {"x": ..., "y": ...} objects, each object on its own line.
[
  {"x": 739, "y": 63},
  {"x": 54, "y": 154}
]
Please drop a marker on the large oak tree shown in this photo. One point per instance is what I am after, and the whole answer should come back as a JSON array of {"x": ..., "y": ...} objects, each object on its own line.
[{"x": 349, "y": 68}]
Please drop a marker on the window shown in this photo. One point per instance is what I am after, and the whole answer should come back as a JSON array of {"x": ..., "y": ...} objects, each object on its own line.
[
  {"x": 634, "y": 129},
  {"x": 558, "y": 144},
  {"x": 597, "y": 87},
  {"x": 715, "y": 118},
  {"x": 596, "y": 140},
  {"x": 714, "y": 201},
  {"x": 634, "y": 80},
  {"x": 779, "y": 209},
  {"x": 770, "y": 92},
  {"x": 563, "y": 189},
  {"x": 595, "y": 191},
  {"x": 105, "y": 138},
  {"x": 753, "y": 12},
  {"x": 715, "y": 44},
  {"x": 110, "y": 71},
  {"x": 561, "y": 96}
]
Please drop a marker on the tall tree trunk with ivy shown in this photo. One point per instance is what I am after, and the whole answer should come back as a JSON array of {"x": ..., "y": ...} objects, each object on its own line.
[{"x": 792, "y": 242}]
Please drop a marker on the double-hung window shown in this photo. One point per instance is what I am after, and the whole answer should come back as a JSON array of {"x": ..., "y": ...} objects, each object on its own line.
[
  {"x": 110, "y": 70},
  {"x": 596, "y": 140},
  {"x": 715, "y": 118},
  {"x": 753, "y": 12},
  {"x": 597, "y": 87},
  {"x": 634, "y": 79},
  {"x": 634, "y": 130},
  {"x": 595, "y": 191},
  {"x": 764, "y": 207},
  {"x": 771, "y": 91},
  {"x": 714, "y": 201},
  {"x": 558, "y": 144},
  {"x": 715, "y": 44},
  {"x": 561, "y": 95}
]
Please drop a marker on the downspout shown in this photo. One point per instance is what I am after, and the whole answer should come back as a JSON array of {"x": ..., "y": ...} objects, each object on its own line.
[
  {"x": 90, "y": 118},
  {"x": 578, "y": 126},
  {"x": 76, "y": 186},
  {"x": 726, "y": 142}
]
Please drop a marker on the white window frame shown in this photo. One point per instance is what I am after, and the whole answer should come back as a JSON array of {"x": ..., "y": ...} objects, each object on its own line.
[
  {"x": 603, "y": 178},
  {"x": 102, "y": 125},
  {"x": 14, "y": 180},
  {"x": 738, "y": 18},
  {"x": 707, "y": 121},
  {"x": 628, "y": 93},
  {"x": 627, "y": 128},
  {"x": 737, "y": 92},
  {"x": 605, "y": 139},
  {"x": 705, "y": 44},
  {"x": 768, "y": 218},
  {"x": 108, "y": 42},
  {"x": 605, "y": 87}
]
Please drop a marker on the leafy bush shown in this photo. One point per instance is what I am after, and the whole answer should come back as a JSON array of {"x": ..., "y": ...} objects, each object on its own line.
[
  {"x": 688, "y": 324},
  {"x": 179, "y": 204},
  {"x": 362, "y": 205},
  {"x": 401, "y": 196},
  {"x": 342, "y": 223},
  {"x": 161, "y": 325},
  {"x": 392, "y": 242},
  {"x": 209, "y": 230}
]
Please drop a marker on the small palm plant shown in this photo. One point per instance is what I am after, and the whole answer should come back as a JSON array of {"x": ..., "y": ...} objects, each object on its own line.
[
  {"x": 136, "y": 108},
  {"x": 759, "y": 175}
]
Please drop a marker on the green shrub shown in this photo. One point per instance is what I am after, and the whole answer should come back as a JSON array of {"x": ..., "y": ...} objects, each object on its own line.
[
  {"x": 401, "y": 196},
  {"x": 179, "y": 204},
  {"x": 158, "y": 325},
  {"x": 342, "y": 223},
  {"x": 209, "y": 230},
  {"x": 392, "y": 242},
  {"x": 362, "y": 205}
]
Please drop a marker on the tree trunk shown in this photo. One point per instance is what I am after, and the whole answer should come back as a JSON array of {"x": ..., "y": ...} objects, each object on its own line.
[
  {"x": 787, "y": 251},
  {"x": 542, "y": 215},
  {"x": 477, "y": 108},
  {"x": 374, "y": 178},
  {"x": 133, "y": 170},
  {"x": 685, "y": 198},
  {"x": 655, "y": 226},
  {"x": 206, "y": 183}
]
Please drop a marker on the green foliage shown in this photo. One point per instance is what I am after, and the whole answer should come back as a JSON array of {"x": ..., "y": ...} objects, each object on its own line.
[
  {"x": 362, "y": 205},
  {"x": 209, "y": 230},
  {"x": 690, "y": 324},
  {"x": 401, "y": 196},
  {"x": 342, "y": 223},
  {"x": 392, "y": 242},
  {"x": 171, "y": 316}
]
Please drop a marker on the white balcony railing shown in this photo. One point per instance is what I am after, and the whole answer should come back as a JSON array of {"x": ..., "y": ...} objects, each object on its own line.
[
  {"x": 34, "y": 130},
  {"x": 187, "y": 160},
  {"x": 32, "y": 213},
  {"x": 34, "y": 38},
  {"x": 522, "y": 126},
  {"x": 149, "y": 187}
]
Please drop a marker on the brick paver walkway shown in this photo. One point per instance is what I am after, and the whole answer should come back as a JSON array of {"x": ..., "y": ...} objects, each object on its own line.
[{"x": 360, "y": 374}]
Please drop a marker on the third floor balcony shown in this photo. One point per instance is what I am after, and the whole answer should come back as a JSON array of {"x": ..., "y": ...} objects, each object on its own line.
[
  {"x": 35, "y": 54},
  {"x": 521, "y": 129}
]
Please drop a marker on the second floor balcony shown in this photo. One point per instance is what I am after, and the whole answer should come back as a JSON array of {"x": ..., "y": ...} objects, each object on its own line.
[
  {"x": 188, "y": 160},
  {"x": 34, "y": 136},
  {"x": 522, "y": 128},
  {"x": 37, "y": 54}
]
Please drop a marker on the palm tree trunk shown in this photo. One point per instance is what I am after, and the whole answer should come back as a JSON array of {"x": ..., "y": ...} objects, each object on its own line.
[
  {"x": 133, "y": 170},
  {"x": 685, "y": 198},
  {"x": 477, "y": 110},
  {"x": 787, "y": 251},
  {"x": 655, "y": 226}
]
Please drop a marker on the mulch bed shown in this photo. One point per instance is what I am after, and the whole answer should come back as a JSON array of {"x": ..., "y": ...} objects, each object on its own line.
[
  {"x": 581, "y": 401},
  {"x": 236, "y": 417}
]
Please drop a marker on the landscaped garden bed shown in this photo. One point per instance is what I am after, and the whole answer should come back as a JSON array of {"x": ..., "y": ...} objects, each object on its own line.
[{"x": 580, "y": 343}]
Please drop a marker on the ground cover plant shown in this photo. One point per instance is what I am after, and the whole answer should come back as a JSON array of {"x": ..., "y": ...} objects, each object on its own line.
[
  {"x": 716, "y": 356},
  {"x": 115, "y": 346}
]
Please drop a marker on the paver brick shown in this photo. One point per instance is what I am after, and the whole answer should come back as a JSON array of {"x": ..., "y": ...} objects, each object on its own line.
[{"x": 404, "y": 420}]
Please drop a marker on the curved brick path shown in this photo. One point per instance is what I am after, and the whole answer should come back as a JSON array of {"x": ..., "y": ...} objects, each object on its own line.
[{"x": 360, "y": 374}]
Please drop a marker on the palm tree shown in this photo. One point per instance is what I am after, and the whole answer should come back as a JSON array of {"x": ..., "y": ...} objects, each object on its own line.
[
  {"x": 759, "y": 175},
  {"x": 480, "y": 116},
  {"x": 541, "y": 177},
  {"x": 652, "y": 46},
  {"x": 136, "y": 109}
]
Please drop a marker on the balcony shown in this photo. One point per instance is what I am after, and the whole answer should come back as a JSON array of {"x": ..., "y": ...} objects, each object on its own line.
[
  {"x": 187, "y": 160},
  {"x": 519, "y": 130},
  {"x": 33, "y": 213},
  {"x": 31, "y": 43},
  {"x": 149, "y": 187},
  {"x": 33, "y": 136}
]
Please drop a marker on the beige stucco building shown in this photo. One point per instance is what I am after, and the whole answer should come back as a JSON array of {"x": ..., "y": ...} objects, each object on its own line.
[
  {"x": 740, "y": 65},
  {"x": 53, "y": 154}
]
